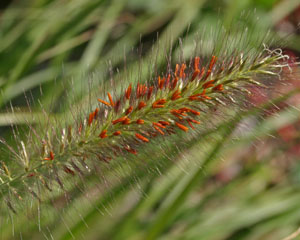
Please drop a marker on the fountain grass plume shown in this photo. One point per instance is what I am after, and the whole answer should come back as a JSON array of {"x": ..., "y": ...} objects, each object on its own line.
[{"x": 178, "y": 100}]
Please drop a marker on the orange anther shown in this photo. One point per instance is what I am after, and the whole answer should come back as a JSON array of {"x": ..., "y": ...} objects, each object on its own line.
[
  {"x": 161, "y": 82},
  {"x": 176, "y": 95},
  {"x": 140, "y": 121},
  {"x": 110, "y": 100},
  {"x": 194, "y": 112},
  {"x": 139, "y": 136},
  {"x": 208, "y": 84},
  {"x": 160, "y": 131},
  {"x": 103, "y": 134},
  {"x": 121, "y": 119},
  {"x": 159, "y": 125},
  {"x": 182, "y": 74},
  {"x": 149, "y": 92},
  {"x": 96, "y": 112},
  {"x": 51, "y": 155},
  {"x": 218, "y": 87},
  {"x": 117, "y": 133},
  {"x": 141, "y": 105},
  {"x": 128, "y": 92},
  {"x": 104, "y": 102},
  {"x": 91, "y": 118},
  {"x": 165, "y": 123},
  {"x": 129, "y": 110},
  {"x": 126, "y": 121},
  {"x": 182, "y": 127}
]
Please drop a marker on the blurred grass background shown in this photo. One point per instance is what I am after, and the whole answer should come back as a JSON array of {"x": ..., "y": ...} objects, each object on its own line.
[{"x": 221, "y": 187}]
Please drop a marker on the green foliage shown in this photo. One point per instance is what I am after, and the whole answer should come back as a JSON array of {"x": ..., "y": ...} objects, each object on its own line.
[{"x": 219, "y": 186}]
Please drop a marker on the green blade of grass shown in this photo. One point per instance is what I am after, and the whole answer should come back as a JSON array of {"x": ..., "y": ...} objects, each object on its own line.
[{"x": 179, "y": 194}]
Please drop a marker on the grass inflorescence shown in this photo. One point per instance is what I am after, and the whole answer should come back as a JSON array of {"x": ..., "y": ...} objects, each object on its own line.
[{"x": 178, "y": 100}]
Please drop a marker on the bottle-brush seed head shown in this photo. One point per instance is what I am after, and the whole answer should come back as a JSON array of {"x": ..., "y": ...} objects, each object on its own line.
[{"x": 171, "y": 103}]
